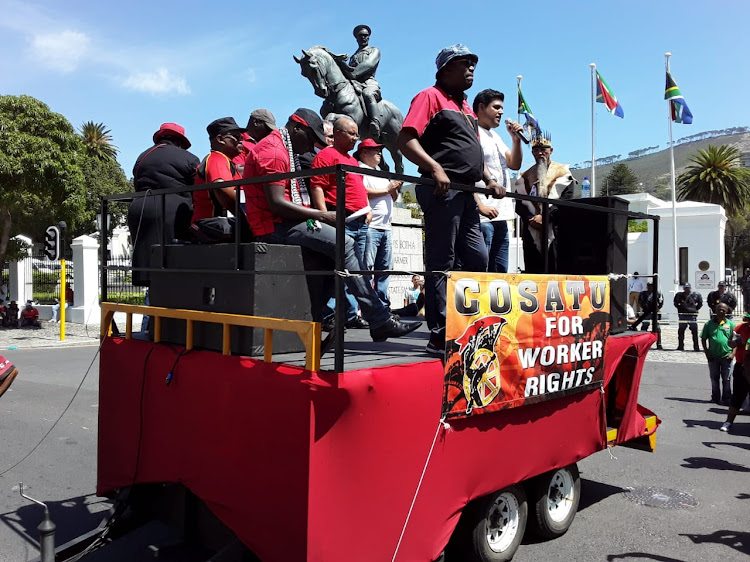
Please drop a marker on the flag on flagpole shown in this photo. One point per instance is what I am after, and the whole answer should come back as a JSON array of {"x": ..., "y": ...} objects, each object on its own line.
[
  {"x": 679, "y": 109},
  {"x": 606, "y": 96},
  {"x": 523, "y": 108}
]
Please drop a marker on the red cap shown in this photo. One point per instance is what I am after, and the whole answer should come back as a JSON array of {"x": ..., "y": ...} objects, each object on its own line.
[
  {"x": 172, "y": 130},
  {"x": 367, "y": 143}
]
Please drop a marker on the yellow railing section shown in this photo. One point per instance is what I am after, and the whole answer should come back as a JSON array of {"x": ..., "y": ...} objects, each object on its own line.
[
  {"x": 650, "y": 424},
  {"x": 308, "y": 332}
]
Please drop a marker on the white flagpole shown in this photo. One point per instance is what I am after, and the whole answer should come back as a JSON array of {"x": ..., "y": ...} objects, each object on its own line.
[
  {"x": 676, "y": 279},
  {"x": 593, "y": 157},
  {"x": 518, "y": 219}
]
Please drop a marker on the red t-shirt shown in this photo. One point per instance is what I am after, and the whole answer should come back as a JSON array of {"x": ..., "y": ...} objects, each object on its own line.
[
  {"x": 356, "y": 193},
  {"x": 30, "y": 313},
  {"x": 247, "y": 144},
  {"x": 216, "y": 166},
  {"x": 269, "y": 156},
  {"x": 744, "y": 331}
]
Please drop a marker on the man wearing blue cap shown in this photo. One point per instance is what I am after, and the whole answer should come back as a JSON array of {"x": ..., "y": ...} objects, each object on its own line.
[
  {"x": 440, "y": 135},
  {"x": 687, "y": 304}
]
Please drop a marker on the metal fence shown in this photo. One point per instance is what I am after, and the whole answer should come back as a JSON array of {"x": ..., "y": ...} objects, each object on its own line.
[
  {"x": 43, "y": 276},
  {"x": 120, "y": 282}
]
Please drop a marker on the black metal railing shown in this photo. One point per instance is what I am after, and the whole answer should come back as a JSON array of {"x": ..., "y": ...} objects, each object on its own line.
[{"x": 340, "y": 171}]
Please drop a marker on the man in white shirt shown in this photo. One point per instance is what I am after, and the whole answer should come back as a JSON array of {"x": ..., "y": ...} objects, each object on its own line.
[
  {"x": 494, "y": 214},
  {"x": 382, "y": 193},
  {"x": 636, "y": 285}
]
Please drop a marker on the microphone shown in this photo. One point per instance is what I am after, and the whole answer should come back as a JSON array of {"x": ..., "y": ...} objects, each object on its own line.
[{"x": 520, "y": 134}]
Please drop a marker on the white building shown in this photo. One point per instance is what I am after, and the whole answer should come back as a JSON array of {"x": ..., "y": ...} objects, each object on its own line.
[{"x": 700, "y": 243}]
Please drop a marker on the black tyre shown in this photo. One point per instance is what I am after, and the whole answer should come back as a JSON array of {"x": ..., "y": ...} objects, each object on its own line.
[
  {"x": 554, "y": 497},
  {"x": 495, "y": 525}
]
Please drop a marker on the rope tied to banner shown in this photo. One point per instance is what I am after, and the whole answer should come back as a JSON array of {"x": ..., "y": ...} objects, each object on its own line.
[{"x": 447, "y": 428}]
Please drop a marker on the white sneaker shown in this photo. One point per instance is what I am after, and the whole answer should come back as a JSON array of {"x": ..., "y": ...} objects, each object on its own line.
[{"x": 725, "y": 427}]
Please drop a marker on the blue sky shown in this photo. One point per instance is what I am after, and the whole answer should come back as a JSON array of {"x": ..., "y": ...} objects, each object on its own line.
[{"x": 133, "y": 65}]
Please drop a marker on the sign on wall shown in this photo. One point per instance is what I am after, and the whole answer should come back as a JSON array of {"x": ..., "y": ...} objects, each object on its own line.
[
  {"x": 705, "y": 280},
  {"x": 518, "y": 339}
]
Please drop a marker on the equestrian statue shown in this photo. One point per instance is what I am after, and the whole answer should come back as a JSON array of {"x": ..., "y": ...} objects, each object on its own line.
[{"x": 350, "y": 89}]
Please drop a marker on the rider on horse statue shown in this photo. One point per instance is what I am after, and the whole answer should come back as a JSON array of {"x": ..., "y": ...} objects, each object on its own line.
[{"x": 363, "y": 64}]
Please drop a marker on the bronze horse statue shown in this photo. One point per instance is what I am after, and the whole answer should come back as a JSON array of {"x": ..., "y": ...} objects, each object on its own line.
[{"x": 328, "y": 75}]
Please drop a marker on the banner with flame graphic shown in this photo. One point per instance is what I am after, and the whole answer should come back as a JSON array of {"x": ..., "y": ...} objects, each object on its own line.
[{"x": 516, "y": 339}]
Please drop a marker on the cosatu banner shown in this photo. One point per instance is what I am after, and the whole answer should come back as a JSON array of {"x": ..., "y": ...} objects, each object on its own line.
[{"x": 518, "y": 339}]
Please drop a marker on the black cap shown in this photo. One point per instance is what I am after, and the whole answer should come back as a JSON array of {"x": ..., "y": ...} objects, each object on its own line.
[
  {"x": 223, "y": 125},
  {"x": 360, "y": 27},
  {"x": 311, "y": 120}
]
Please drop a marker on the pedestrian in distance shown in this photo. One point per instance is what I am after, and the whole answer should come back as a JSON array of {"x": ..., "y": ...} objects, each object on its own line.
[
  {"x": 687, "y": 304},
  {"x": 715, "y": 337},
  {"x": 741, "y": 372}
]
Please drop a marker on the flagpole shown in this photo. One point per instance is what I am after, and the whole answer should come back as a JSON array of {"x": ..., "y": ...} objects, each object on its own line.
[
  {"x": 593, "y": 158},
  {"x": 676, "y": 279},
  {"x": 518, "y": 219}
]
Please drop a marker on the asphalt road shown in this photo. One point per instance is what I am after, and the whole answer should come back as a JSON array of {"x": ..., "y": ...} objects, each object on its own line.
[{"x": 692, "y": 457}]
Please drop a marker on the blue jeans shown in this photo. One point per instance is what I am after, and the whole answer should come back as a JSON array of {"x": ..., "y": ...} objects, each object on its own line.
[
  {"x": 451, "y": 230},
  {"x": 719, "y": 369},
  {"x": 323, "y": 241},
  {"x": 379, "y": 256},
  {"x": 496, "y": 239},
  {"x": 356, "y": 230}
]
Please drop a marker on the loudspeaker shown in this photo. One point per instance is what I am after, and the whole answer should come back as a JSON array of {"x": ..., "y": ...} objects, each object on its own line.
[
  {"x": 596, "y": 243},
  {"x": 253, "y": 293}
]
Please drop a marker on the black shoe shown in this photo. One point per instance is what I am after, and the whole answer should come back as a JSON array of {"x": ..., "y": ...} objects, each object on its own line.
[
  {"x": 660, "y": 348},
  {"x": 680, "y": 348},
  {"x": 327, "y": 325},
  {"x": 393, "y": 329},
  {"x": 358, "y": 323},
  {"x": 436, "y": 345}
]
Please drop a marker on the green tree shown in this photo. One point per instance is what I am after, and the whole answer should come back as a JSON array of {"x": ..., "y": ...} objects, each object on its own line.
[
  {"x": 97, "y": 141},
  {"x": 101, "y": 177},
  {"x": 621, "y": 180},
  {"x": 41, "y": 182},
  {"x": 715, "y": 176}
]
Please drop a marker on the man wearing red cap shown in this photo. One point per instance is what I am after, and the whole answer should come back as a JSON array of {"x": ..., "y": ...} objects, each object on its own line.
[
  {"x": 345, "y": 135},
  {"x": 279, "y": 212},
  {"x": 166, "y": 164},
  {"x": 382, "y": 193}
]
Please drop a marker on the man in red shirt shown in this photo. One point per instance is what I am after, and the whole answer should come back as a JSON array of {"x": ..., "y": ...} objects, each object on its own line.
[
  {"x": 226, "y": 143},
  {"x": 279, "y": 212},
  {"x": 30, "y": 316},
  {"x": 358, "y": 211},
  {"x": 741, "y": 373}
]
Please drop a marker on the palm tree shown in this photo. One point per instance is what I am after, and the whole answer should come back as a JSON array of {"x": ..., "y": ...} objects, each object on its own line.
[
  {"x": 715, "y": 176},
  {"x": 97, "y": 141}
]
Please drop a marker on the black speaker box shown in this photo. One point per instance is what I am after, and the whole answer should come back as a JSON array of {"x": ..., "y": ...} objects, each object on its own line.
[
  {"x": 253, "y": 293},
  {"x": 596, "y": 243}
]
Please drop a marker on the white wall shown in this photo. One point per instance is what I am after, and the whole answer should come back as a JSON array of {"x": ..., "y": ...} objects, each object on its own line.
[{"x": 700, "y": 228}]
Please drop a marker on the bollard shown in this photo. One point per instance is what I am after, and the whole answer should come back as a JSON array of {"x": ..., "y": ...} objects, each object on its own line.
[{"x": 46, "y": 530}]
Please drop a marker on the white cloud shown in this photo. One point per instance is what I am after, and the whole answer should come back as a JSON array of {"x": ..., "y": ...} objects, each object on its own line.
[
  {"x": 61, "y": 51},
  {"x": 160, "y": 81}
]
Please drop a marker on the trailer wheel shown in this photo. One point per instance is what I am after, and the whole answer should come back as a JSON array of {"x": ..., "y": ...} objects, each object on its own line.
[
  {"x": 495, "y": 525},
  {"x": 555, "y": 496}
]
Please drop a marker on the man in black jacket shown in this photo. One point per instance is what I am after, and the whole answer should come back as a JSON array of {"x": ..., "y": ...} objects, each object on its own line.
[
  {"x": 166, "y": 164},
  {"x": 651, "y": 309},
  {"x": 721, "y": 294},
  {"x": 687, "y": 304}
]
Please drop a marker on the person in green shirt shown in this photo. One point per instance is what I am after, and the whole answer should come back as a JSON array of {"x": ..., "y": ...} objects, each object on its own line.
[{"x": 715, "y": 338}]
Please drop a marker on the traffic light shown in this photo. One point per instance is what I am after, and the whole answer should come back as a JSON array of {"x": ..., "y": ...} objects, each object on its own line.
[{"x": 52, "y": 243}]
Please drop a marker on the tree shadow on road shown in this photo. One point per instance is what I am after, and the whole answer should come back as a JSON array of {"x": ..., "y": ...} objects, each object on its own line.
[
  {"x": 642, "y": 555},
  {"x": 690, "y": 400},
  {"x": 72, "y": 517},
  {"x": 713, "y": 445},
  {"x": 710, "y": 424},
  {"x": 738, "y": 540},
  {"x": 713, "y": 464}
]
